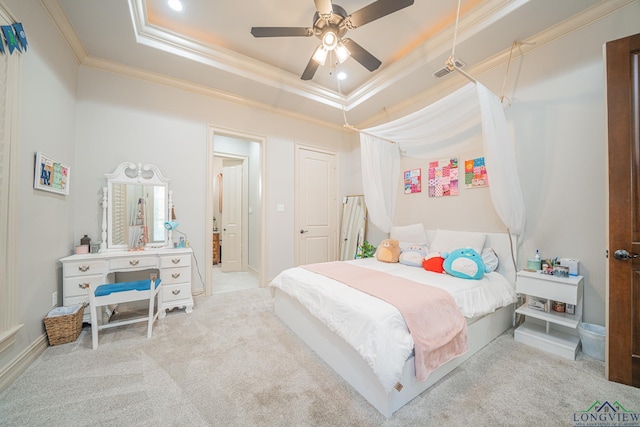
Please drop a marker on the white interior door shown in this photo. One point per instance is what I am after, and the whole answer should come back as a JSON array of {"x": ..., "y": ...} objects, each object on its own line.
[
  {"x": 231, "y": 218},
  {"x": 316, "y": 206}
]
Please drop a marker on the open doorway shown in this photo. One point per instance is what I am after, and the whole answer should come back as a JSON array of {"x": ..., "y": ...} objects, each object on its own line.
[{"x": 235, "y": 213}]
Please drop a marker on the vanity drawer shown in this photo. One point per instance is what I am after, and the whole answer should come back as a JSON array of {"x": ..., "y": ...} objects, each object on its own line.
[
  {"x": 84, "y": 268},
  {"x": 176, "y": 261},
  {"x": 171, "y": 276},
  {"x": 133, "y": 263},
  {"x": 67, "y": 301},
  {"x": 79, "y": 286},
  {"x": 175, "y": 292}
]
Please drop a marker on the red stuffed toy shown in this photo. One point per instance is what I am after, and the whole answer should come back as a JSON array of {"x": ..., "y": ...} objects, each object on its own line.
[{"x": 433, "y": 262}]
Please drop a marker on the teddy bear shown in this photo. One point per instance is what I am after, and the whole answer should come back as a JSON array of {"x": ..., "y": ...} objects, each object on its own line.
[
  {"x": 388, "y": 251},
  {"x": 413, "y": 255},
  {"x": 465, "y": 263}
]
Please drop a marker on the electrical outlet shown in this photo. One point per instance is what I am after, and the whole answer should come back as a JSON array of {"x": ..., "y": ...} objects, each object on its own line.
[{"x": 54, "y": 299}]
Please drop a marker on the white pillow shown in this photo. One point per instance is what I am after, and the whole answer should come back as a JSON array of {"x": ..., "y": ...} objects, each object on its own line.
[
  {"x": 409, "y": 233},
  {"x": 489, "y": 258},
  {"x": 448, "y": 240}
]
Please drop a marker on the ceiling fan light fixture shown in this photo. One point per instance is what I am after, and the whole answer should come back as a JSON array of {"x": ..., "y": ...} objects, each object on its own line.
[
  {"x": 342, "y": 52},
  {"x": 329, "y": 40},
  {"x": 320, "y": 55}
]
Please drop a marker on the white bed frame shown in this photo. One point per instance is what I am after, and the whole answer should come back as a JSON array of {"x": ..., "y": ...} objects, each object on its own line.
[{"x": 350, "y": 365}]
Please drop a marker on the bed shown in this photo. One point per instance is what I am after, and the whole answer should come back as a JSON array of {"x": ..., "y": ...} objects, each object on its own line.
[{"x": 311, "y": 315}]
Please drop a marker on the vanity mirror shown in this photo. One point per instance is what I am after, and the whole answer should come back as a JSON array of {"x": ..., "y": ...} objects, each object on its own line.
[
  {"x": 136, "y": 204},
  {"x": 352, "y": 229}
]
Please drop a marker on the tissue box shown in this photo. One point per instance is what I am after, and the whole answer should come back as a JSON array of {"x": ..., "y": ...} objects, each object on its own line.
[{"x": 572, "y": 264}]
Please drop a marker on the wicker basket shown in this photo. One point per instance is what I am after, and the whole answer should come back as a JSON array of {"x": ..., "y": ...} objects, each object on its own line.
[{"x": 65, "y": 328}]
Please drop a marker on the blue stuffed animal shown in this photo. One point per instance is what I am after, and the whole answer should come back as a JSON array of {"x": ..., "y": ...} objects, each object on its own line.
[{"x": 465, "y": 263}]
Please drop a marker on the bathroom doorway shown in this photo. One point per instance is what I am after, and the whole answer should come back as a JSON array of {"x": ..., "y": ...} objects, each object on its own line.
[{"x": 235, "y": 212}]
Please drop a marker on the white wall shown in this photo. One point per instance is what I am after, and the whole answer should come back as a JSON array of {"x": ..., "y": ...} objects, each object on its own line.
[
  {"x": 557, "y": 118},
  {"x": 45, "y": 228},
  {"x": 124, "y": 119}
]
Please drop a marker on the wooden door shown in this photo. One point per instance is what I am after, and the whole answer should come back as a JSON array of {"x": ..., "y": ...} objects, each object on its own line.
[
  {"x": 623, "y": 111},
  {"x": 316, "y": 206},
  {"x": 232, "y": 218}
]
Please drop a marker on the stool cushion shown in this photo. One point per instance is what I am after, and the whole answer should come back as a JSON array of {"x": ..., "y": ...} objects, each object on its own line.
[{"x": 109, "y": 288}]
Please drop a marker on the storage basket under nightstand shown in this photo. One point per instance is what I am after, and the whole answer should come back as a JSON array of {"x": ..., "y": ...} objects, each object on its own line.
[{"x": 65, "y": 328}]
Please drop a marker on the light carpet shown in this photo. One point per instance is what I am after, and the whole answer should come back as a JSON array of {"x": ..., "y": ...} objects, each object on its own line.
[{"x": 233, "y": 363}]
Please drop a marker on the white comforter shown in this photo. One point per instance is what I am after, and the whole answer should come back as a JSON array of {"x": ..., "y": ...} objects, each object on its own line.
[{"x": 374, "y": 327}]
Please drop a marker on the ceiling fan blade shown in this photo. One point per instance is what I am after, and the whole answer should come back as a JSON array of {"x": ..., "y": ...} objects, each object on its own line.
[
  {"x": 281, "y": 31},
  {"x": 324, "y": 7},
  {"x": 375, "y": 10},
  {"x": 361, "y": 55},
  {"x": 311, "y": 69}
]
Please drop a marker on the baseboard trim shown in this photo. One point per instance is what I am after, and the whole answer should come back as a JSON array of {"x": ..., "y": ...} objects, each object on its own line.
[{"x": 20, "y": 364}]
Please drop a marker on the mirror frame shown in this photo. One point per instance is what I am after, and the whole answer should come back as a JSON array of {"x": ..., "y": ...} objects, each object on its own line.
[
  {"x": 131, "y": 173},
  {"x": 347, "y": 221}
]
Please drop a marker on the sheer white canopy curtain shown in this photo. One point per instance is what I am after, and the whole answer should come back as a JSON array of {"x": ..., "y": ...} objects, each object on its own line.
[{"x": 416, "y": 134}]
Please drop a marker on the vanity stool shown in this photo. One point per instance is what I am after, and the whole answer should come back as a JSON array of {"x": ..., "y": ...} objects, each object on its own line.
[{"x": 117, "y": 293}]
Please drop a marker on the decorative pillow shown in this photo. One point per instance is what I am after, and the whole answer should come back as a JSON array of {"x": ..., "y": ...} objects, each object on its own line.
[
  {"x": 433, "y": 262},
  {"x": 413, "y": 255},
  {"x": 465, "y": 263},
  {"x": 448, "y": 241},
  {"x": 388, "y": 251},
  {"x": 490, "y": 259},
  {"x": 409, "y": 235}
]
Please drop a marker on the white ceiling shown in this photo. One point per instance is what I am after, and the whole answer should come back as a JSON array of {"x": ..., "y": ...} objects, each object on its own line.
[{"x": 208, "y": 46}]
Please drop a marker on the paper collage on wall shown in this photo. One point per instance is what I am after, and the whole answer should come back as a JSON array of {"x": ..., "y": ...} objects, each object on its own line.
[
  {"x": 413, "y": 181},
  {"x": 443, "y": 177},
  {"x": 475, "y": 173}
]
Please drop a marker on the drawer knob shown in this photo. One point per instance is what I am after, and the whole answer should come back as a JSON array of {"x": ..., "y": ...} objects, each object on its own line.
[
  {"x": 84, "y": 268},
  {"x": 176, "y": 260},
  {"x": 175, "y": 291},
  {"x": 134, "y": 262},
  {"x": 83, "y": 285},
  {"x": 175, "y": 275}
]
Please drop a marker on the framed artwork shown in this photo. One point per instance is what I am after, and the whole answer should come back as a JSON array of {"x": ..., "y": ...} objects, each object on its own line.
[
  {"x": 413, "y": 181},
  {"x": 443, "y": 177},
  {"x": 51, "y": 175},
  {"x": 475, "y": 173}
]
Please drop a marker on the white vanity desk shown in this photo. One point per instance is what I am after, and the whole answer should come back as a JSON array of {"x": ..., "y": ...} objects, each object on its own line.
[
  {"x": 135, "y": 241},
  {"x": 173, "y": 265}
]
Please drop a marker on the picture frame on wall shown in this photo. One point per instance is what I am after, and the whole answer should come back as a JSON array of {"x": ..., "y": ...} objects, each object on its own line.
[{"x": 51, "y": 175}]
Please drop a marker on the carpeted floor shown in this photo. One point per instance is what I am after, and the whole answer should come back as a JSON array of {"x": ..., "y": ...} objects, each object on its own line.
[{"x": 233, "y": 363}]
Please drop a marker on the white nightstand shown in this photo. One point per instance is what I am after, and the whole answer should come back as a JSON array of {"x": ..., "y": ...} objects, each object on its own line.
[{"x": 550, "y": 331}]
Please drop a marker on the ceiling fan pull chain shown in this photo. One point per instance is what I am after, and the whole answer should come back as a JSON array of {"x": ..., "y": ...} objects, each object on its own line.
[{"x": 344, "y": 113}]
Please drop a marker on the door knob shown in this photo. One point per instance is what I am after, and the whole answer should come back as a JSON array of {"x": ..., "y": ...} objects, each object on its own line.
[
  {"x": 304, "y": 231},
  {"x": 623, "y": 255}
]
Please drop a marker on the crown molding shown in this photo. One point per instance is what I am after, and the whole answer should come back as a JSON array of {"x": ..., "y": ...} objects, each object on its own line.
[
  {"x": 60, "y": 19},
  {"x": 452, "y": 82},
  {"x": 161, "y": 79},
  {"x": 257, "y": 71},
  {"x": 225, "y": 59}
]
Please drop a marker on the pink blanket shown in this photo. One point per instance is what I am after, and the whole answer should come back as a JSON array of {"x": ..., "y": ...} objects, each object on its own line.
[{"x": 438, "y": 329}]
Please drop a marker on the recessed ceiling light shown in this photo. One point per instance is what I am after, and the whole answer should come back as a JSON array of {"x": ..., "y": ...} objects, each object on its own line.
[
  {"x": 342, "y": 75},
  {"x": 175, "y": 5}
]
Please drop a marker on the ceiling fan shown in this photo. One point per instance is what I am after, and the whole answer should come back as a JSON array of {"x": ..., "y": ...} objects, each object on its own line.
[{"x": 330, "y": 24}]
